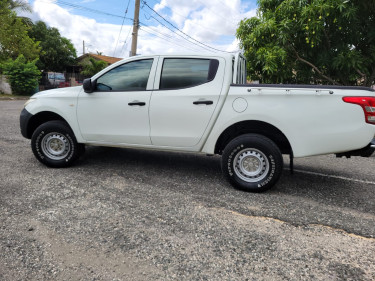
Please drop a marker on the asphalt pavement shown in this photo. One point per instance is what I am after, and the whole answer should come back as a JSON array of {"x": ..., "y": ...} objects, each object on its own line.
[{"x": 123, "y": 214}]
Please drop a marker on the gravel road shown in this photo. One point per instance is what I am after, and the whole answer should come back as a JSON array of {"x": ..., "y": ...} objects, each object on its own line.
[{"x": 122, "y": 214}]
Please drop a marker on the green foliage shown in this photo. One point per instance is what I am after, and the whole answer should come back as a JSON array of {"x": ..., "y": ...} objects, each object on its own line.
[
  {"x": 311, "y": 41},
  {"x": 92, "y": 66},
  {"x": 57, "y": 51},
  {"x": 20, "y": 5},
  {"x": 14, "y": 39},
  {"x": 23, "y": 76}
]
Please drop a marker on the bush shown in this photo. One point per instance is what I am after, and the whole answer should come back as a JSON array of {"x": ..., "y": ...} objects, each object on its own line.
[
  {"x": 92, "y": 66},
  {"x": 23, "y": 76}
]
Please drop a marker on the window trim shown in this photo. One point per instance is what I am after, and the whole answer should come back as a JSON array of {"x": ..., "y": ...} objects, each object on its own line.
[
  {"x": 212, "y": 71},
  {"x": 127, "y": 62}
]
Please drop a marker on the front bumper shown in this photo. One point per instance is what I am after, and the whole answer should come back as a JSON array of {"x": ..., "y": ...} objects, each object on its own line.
[{"x": 25, "y": 118}]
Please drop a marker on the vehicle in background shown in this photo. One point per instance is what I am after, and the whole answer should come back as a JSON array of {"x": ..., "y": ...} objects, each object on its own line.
[{"x": 52, "y": 80}]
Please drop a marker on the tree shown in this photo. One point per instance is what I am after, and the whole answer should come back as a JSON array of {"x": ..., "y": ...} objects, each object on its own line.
[
  {"x": 23, "y": 76},
  {"x": 16, "y": 5},
  {"x": 311, "y": 41},
  {"x": 92, "y": 66},
  {"x": 14, "y": 39},
  {"x": 57, "y": 51}
]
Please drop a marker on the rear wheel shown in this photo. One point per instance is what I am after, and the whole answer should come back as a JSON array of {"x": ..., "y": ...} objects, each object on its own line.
[
  {"x": 252, "y": 162},
  {"x": 54, "y": 144}
]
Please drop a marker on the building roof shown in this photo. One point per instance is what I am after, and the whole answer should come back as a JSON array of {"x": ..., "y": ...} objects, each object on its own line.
[{"x": 107, "y": 59}]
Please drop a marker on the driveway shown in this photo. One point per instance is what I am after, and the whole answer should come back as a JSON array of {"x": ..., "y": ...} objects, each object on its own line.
[{"x": 122, "y": 214}]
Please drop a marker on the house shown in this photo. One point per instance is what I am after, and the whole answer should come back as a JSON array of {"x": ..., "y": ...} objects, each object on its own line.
[
  {"x": 107, "y": 59},
  {"x": 73, "y": 73}
]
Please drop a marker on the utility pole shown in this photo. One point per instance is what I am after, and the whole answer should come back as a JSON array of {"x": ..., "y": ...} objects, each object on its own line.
[
  {"x": 135, "y": 28},
  {"x": 83, "y": 46}
]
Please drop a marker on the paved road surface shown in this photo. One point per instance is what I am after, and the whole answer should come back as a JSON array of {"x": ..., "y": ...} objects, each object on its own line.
[{"x": 122, "y": 214}]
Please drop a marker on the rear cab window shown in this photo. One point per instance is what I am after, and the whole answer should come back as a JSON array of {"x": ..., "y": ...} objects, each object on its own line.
[{"x": 180, "y": 73}]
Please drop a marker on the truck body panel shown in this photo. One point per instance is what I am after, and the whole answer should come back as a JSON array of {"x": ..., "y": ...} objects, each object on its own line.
[
  {"x": 314, "y": 121},
  {"x": 62, "y": 101}
]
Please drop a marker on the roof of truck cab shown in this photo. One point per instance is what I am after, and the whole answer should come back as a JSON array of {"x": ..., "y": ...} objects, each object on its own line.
[{"x": 181, "y": 54}]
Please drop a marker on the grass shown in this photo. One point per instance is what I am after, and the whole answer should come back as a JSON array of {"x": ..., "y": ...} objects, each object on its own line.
[{"x": 12, "y": 97}]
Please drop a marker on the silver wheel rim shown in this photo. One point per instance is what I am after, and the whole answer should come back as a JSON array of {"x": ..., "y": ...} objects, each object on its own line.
[
  {"x": 55, "y": 146},
  {"x": 251, "y": 165}
]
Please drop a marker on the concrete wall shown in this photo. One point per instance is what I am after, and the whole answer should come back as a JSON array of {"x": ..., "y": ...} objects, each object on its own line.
[{"x": 4, "y": 86}]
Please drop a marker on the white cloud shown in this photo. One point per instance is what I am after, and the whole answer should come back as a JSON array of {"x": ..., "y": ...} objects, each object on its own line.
[
  {"x": 209, "y": 19},
  {"x": 97, "y": 36},
  {"x": 204, "y": 20},
  {"x": 234, "y": 46}
]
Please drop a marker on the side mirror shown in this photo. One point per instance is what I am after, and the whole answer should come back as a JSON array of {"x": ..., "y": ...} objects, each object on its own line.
[{"x": 88, "y": 86}]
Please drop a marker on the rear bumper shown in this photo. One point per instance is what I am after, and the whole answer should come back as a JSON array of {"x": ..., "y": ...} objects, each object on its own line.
[
  {"x": 364, "y": 152},
  {"x": 24, "y": 122}
]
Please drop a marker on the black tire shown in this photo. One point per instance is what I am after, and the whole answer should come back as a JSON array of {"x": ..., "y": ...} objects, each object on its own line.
[
  {"x": 252, "y": 163},
  {"x": 54, "y": 144}
]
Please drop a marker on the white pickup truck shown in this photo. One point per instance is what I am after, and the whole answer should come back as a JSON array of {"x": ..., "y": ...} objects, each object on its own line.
[{"x": 200, "y": 104}]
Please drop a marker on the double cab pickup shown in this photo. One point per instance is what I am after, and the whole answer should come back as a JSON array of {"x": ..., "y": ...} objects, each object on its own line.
[{"x": 200, "y": 104}]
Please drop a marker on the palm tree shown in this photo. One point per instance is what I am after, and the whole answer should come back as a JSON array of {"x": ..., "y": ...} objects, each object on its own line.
[{"x": 20, "y": 5}]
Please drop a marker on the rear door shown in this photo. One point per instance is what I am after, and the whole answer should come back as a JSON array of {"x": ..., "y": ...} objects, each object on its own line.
[{"x": 187, "y": 91}]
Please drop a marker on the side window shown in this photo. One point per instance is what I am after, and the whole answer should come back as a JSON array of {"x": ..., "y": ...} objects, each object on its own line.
[
  {"x": 184, "y": 73},
  {"x": 132, "y": 76}
]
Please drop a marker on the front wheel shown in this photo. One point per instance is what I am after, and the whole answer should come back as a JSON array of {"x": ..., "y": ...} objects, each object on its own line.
[
  {"x": 252, "y": 162},
  {"x": 54, "y": 144}
]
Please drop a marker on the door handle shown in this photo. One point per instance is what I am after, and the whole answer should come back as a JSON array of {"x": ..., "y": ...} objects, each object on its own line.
[
  {"x": 137, "y": 103},
  {"x": 206, "y": 102}
]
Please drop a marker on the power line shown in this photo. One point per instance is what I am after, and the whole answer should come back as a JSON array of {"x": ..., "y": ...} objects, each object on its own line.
[
  {"x": 125, "y": 42},
  {"x": 171, "y": 24},
  {"x": 89, "y": 9},
  {"x": 166, "y": 38},
  {"x": 194, "y": 48},
  {"x": 196, "y": 42},
  {"x": 174, "y": 11},
  {"x": 206, "y": 48},
  {"x": 170, "y": 36},
  {"x": 123, "y": 20},
  {"x": 204, "y": 27}
]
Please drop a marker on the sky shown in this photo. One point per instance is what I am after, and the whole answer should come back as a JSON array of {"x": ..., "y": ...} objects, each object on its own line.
[{"x": 166, "y": 26}]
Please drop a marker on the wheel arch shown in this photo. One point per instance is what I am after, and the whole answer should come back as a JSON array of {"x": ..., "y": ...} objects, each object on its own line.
[
  {"x": 253, "y": 127},
  {"x": 40, "y": 118}
]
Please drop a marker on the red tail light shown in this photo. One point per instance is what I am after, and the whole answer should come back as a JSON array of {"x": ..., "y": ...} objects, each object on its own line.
[{"x": 367, "y": 104}]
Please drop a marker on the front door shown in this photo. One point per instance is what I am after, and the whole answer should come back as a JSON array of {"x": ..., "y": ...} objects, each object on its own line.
[{"x": 118, "y": 110}]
